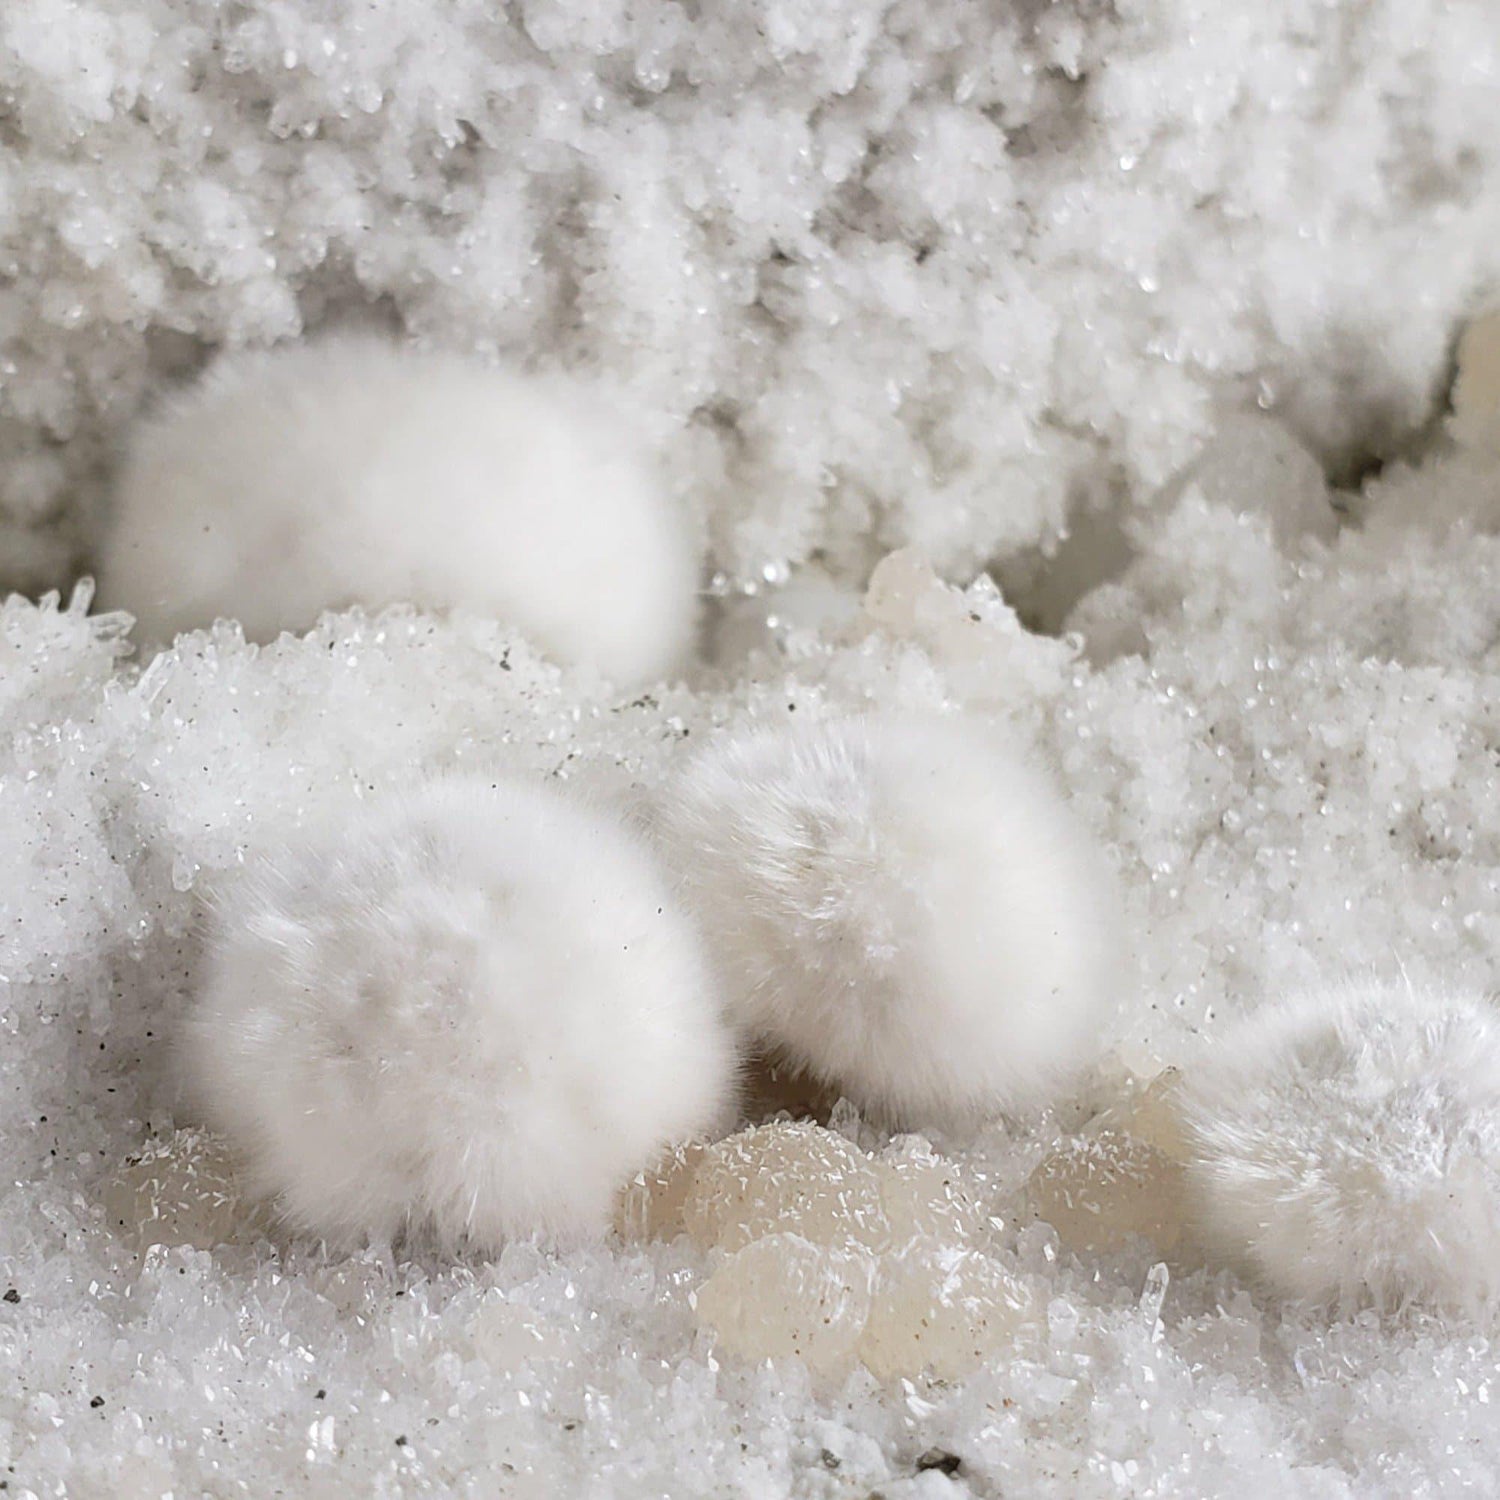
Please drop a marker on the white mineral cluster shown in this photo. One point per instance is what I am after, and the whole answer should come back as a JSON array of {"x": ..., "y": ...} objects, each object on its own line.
[
  {"x": 940, "y": 274},
  {"x": 1077, "y": 370},
  {"x": 821, "y": 1251}
]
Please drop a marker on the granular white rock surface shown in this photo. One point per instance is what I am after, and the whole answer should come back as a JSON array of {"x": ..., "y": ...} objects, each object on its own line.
[
  {"x": 883, "y": 271},
  {"x": 879, "y": 274},
  {"x": 1298, "y": 776}
]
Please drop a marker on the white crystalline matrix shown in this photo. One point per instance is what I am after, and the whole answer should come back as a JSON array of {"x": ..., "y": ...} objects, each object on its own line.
[
  {"x": 932, "y": 271},
  {"x": 474, "y": 1011},
  {"x": 1344, "y": 1147},
  {"x": 903, "y": 908},
  {"x": 350, "y": 472}
]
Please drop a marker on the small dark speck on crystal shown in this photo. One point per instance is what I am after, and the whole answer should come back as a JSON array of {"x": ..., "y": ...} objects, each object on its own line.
[{"x": 935, "y": 1458}]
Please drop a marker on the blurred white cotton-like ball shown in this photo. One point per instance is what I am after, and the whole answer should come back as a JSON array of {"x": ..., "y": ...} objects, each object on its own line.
[
  {"x": 904, "y": 909},
  {"x": 350, "y": 472},
  {"x": 474, "y": 1011},
  {"x": 1344, "y": 1148}
]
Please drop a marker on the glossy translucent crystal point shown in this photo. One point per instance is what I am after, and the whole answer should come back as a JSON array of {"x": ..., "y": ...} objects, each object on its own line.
[{"x": 181, "y": 1190}]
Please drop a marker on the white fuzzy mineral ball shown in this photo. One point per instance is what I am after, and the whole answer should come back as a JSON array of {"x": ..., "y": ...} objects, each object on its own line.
[
  {"x": 474, "y": 1011},
  {"x": 350, "y": 472},
  {"x": 903, "y": 909},
  {"x": 1344, "y": 1148}
]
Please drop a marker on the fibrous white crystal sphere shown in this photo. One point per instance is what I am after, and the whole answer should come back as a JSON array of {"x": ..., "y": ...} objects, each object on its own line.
[
  {"x": 1344, "y": 1148},
  {"x": 474, "y": 1011},
  {"x": 903, "y": 909},
  {"x": 350, "y": 472}
]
